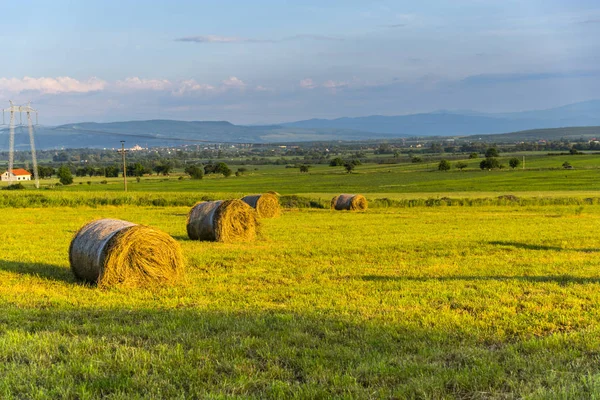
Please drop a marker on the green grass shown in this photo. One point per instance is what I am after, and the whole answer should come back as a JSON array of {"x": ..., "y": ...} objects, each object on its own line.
[
  {"x": 485, "y": 302},
  {"x": 543, "y": 174}
]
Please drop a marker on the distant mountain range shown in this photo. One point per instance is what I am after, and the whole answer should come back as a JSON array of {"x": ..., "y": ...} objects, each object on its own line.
[
  {"x": 449, "y": 123},
  {"x": 155, "y": 133},
  {"x": 439, "y": 123}
]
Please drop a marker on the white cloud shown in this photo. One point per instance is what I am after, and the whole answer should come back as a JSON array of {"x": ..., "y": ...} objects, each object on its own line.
[
  {"x": 61, "y": 84},
  {"x": 307, "y": 83},
  {"x": 190, "y": 86},
  {"x": 334, "y": 85},
  {"x": 135, "y": 83},
  {"x": 233, "y": 82}
]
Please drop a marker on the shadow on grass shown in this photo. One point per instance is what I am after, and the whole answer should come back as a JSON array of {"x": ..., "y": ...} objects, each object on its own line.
[
  {"x": 560, "y": 279},
  {"x": 41, "y": 270},
  {"x": 528, "y": 246},
  {"x": 188, "y": 353},
  {"x": 184, "y": 238}
]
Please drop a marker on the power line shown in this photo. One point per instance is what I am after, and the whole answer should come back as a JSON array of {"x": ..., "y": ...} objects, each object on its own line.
[{"x": 28, "y": 110}]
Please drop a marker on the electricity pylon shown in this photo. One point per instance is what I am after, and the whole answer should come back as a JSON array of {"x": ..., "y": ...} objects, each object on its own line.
[{"x": 12, "y": 110}]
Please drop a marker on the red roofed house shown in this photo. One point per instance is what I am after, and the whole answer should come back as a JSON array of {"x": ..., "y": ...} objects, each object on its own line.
[{"x": 18, "y": 174}]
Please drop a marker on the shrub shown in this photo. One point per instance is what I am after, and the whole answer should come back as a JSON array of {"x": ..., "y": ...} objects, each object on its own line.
[
  {"x": 159, "y": 202},
  {"x": 461, "y": 165},
  {"x": 444, "y": 165},
  {"x": 336, "y": 162},
  {"x": 489, "y": 163},
  {"x": 294, "y": 201},
  {"x": 14, "y": 186},
  {"x": 349, "y": 167},
  {"x": 514, "y": 162},
  {"x": 195, "y": 171},
  {"x": 473, "y": 155}
]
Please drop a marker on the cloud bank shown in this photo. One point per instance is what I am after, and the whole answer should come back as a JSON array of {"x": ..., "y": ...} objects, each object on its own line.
[{"x": 62, "y": 84}]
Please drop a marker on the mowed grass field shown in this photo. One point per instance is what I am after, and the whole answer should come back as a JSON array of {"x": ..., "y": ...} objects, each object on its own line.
[{"x": 426, "y": 302}]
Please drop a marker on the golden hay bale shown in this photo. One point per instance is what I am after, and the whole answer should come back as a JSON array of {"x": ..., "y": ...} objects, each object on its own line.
[
  {"x": 112, "y": 252},
  {"x": 266, "y": 205},
  {"x": 222, "y": 221},
  {"x": 352, "y": 202},
  {"x": 273, "y": 192}
]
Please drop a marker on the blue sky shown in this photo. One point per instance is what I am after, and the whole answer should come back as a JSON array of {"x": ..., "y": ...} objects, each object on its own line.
[{"x": 272, "y": 61}]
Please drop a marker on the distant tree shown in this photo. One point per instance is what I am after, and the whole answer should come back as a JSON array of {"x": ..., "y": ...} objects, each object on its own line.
[
  {"x": 436, "y": 147},
  {"x": 444, "y": 165},
  {"x": 336, "y": 162},
  {"x": 209, "y": 168},
  {"x": 489, "y": 163},
  {"x": 218, "y": 168},
  {"x": 474, "y": 155},
  {"x": 396, "y": 154},
  {"x": 384, "y": 148},
  {"x": 304, "y": 168},
  {"x": 567, "y": 165},
  {"x": 64, "y": 175},
  {"x": 416, "y": 159},
  {"x": 461, "y": 165},
  {"x": 491, "y": 152},
  {"x": 514, "y": 162},
  {"x": 227, "y": 172},
  {"x": 136, "y": 169},
  {"x": 111, "y": 171},
  {"x": 62, "y": 156},
  {"x": 195, "y": 171},
  {"x": 349, "y": 166},
  {"x": 45, "y": 172},
  {"x": 573, "y": 151},
  {"x": 164, "y": 168}
]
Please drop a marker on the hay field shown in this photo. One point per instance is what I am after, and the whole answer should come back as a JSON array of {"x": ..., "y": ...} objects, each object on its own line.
[{"x": 462, "y": 302}]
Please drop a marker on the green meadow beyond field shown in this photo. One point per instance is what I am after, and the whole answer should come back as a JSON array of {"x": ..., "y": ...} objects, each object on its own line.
[{"x": 447, "y": 292}]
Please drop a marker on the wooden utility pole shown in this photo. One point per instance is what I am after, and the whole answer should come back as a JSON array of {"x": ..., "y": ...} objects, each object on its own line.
[{"x": 123, "y": 151}]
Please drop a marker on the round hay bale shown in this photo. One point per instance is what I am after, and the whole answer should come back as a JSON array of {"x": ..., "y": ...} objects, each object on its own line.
[
  {"x": 111, "y": 252},
  {"x": 266, "y": 205},
  {"x": 222, "y": 221},
  {"x": 273, "y": 192},
  {"x": 352, "y": 202}
]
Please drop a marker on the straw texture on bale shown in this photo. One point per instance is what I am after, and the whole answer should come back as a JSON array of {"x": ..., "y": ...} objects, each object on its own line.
[
  {"x": 111, "y": 252},
  {"x": 352, "y": 202},
  {"x": 222, "y": 221},
  {"x": 266, "y": 205}
]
